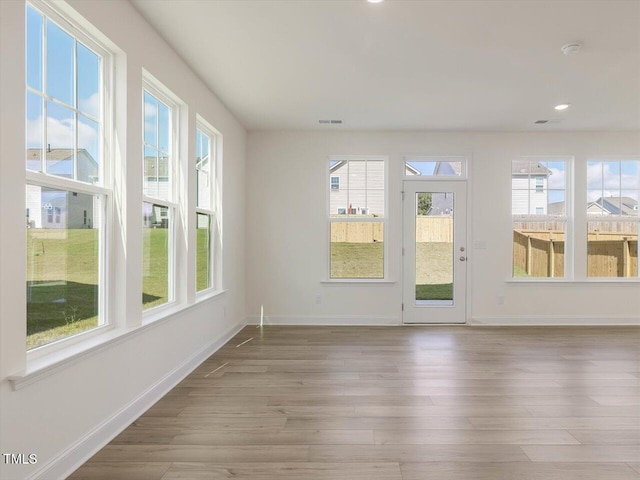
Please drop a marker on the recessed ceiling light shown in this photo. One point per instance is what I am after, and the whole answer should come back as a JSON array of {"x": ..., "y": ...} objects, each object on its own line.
[
  {"x": 562, "y": 106},
  {"x": 375, "y": 1}
]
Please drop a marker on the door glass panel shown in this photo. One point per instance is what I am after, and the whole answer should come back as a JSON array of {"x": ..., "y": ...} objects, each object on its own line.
[{"x": 434, "y": 248}]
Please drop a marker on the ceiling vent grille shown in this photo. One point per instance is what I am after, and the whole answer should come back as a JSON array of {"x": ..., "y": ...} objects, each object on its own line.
[{"x": 330, "y": 122}]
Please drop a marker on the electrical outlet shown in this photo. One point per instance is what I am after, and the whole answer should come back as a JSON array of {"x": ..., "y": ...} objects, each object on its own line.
[
  {"x": 318, "y": 299},
  {"x": 500, "y": 299}
]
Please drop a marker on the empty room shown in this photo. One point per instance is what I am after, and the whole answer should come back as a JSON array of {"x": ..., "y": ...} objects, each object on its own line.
[{"x": 319, "y": 239}]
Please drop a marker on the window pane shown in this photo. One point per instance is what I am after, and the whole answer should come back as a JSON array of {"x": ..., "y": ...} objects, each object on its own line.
[
  {"x": 150, "y": 119},
  {"x": 203, "y": 252},
  {"x": 434, "y": 260},
  {"x": 203, "y": 171},
  {"x": 150, "y": 182},
  {"x": 594, "y": 175},
  {"x": 433, "y": 168},
  {"x": 612, "y": 249},
  {"x": 557, "y": 206},
  {"x": 164, "y": 127},
  {"x": 155, "y": 255},
  {"x": 611, "y": 178},
  {"x": 60, "y": 146},
  {"x": 357, "y": 250},
  {"x": 60, "y": 57},
  {"x": 629, "y": 203},
  {"x": 164, "y": 187},
  {"x": 88, "y": 81},
  {"x": 88, "y": 150},
  {"x": 34, "y": 49},
  {"x": 34, "y": 132},
  {"x": 63, "y": 245},
  {"x": 538, "y": 248}
]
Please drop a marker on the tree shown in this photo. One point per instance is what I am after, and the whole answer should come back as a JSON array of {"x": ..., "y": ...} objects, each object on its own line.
[{"x": 424, "y": 203}]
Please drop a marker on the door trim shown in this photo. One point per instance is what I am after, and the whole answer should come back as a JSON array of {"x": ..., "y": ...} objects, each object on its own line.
[{"x": 464, "y": 240}]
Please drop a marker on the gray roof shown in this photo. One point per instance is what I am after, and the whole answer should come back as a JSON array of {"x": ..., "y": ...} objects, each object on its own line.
[
  {"x": 526, "y": 167},
  {"x": 618, "y": 205}
]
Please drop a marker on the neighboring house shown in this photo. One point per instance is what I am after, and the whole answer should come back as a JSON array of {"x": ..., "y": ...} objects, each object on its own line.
[
  {"x": 60, "y": 163},
  {"x": 441, "y": 204},
  {"x": 51, "y": 208},
  {"x": 363, "y": 189},
  {"x": 358, "y": 185},
  {"x": 614, "y": 206},
  {"x": 529, "y": 188},
  {"x": 156, "y": 177}
]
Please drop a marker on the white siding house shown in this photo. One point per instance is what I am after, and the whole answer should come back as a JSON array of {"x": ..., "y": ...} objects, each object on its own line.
[
  {"x": 529, "y": 183},
  {"x": 51, "y": 208},
  {"x": 357, "y": 187}
]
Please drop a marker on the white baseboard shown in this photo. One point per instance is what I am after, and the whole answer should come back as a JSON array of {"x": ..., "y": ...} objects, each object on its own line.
[
  {"x": 328, "y": 320},
  {"x": 555, "y": 320},
  {"x": 64, "y": 464}
]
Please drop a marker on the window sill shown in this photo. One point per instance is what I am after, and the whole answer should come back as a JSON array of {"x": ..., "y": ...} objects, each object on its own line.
[
  {"x": 50, "y": 363},
  {"x": 207, "y": 294},
  {"x": 357, "y": 283},
  {"x": 563, "y": 281}
]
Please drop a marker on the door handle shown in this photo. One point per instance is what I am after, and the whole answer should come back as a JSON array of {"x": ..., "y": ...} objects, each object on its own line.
[{"x": 463, "y": 258}]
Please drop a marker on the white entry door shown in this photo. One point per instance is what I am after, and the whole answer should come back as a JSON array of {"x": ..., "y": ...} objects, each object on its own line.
[{"x": 434, "y": 251}]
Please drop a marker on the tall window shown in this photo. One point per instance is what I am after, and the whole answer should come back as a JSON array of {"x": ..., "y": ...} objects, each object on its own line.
[
  {"x": 540, "y": 216},
  {"x": 207, "y": 207},
  {"x": 356, "y": 217},
  {"x": 613, "y": 195},
  {"x": 158, "y": 209},
  {"x": 68, "y": 185}
]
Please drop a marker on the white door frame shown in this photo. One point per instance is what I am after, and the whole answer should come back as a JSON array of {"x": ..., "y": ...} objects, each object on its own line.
[{"x": 432, "y": 313}]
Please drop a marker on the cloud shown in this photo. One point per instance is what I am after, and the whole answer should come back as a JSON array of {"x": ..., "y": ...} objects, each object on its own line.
[
  {"x": 60, "y": 133},
  {"x": 614, "y": 180},
  {"x": 91, "y": 105},
  {"x": 557, "y": 179}
]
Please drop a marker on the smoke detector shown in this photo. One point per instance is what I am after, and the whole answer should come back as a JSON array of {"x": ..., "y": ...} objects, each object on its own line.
[{"x": 571, "y": 48}]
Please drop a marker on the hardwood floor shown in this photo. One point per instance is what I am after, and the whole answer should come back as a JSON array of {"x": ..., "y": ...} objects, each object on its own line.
[{"x": 393, "y": 403}]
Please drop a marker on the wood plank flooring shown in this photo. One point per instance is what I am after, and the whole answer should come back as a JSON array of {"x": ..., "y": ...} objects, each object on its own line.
[{"x": 394, "y": 403}]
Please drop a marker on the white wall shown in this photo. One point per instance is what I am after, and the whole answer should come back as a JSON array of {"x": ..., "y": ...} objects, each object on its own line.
[
  {"x": 287, "y": 241},
  {"x": 63, "y": 416}
]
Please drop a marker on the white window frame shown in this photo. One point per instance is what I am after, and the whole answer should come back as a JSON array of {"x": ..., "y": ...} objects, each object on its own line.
[
  {"x": 214, "y": 212},
  {"x": 357, "y": 218},
  {"x": 161, "y": 93},
  {"x": 567, "y": 218},
  {"x": 103, "y": 189},
  {"x": 613, "y": 218}
]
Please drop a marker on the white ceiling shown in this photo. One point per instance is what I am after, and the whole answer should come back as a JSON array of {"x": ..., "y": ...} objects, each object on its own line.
[{"x": 412, "y": 65}]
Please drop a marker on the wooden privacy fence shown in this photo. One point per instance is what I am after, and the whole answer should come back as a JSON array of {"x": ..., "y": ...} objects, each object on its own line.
[
  {"x": 357, "y": 232},
  {"x": 541, "y": 254},
  {"x": 428, "y": 229}
]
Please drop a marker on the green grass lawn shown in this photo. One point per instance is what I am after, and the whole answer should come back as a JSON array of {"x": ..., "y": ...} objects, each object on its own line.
[
  {"x": 434, "y": 291},
  {"x": 434, "y": 263},
  {"x": 155, "y": 267},
  {"x": 202, "y": 255},
  {"x": 357, "y": 260},
  {"x": 62, "y": 292},
  {"x": 62, "y": 279}
]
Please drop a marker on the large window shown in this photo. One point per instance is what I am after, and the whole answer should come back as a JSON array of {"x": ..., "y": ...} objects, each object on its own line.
[
  {"x": 68, "y": 184},
  {"x": 207, "y": 208},
  {"x": 613, "y": 194},
  {"x": 356, "y": 217},
  {"x": 540, "y": 216},
  {"x": 159, "y": 209}
]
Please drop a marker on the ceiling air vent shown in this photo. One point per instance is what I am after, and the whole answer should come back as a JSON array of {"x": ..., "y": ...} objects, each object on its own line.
[
  {"x": 330, "y": 122},
  {"x": 542, "y": 122}
]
